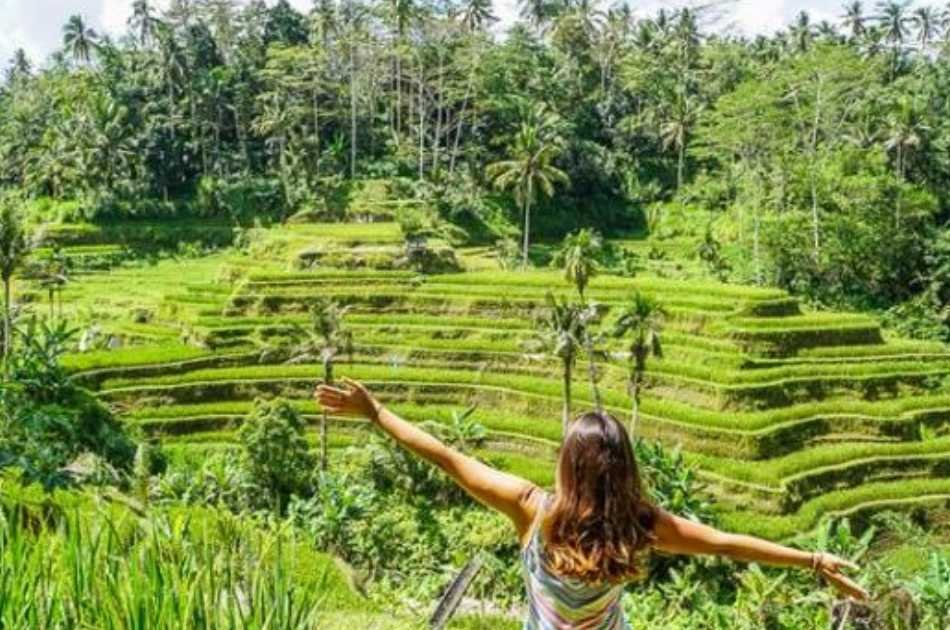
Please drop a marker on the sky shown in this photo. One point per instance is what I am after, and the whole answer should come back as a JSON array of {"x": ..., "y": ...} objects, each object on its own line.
[{"x": 36, "y": 25}]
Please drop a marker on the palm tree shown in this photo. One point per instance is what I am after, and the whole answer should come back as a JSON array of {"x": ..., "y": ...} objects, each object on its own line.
[
  {"x": 54, "y": 276},
  {"x": 686, "y": 30},
  {"x": 20, "y": 66},
  {"x": 143, "y": 21},
  {"x": 927, "y": 22},
  {"x": 578, "y": 258},
  {"x": 674, "y": 133},
  {"x": 592, "y": 339},
  {"x": 893, "y": 18},
  {"x": 324, "y": 21},
  {"x": 352, "y": 25},
  {"x": 559, "y": 332},
  {"x": 641, "y": 322},
  {"x": 802, "y": 31},
  {"x": 326, "y": 339},
  {"x": 78, "y": 39},
  {"x": 827, "y": 32},
  {"x": 13, "y": 251},
  {"x": 854, "y": 19},
  {"x": 477, "y": 14},
  {"x": 893, "y": 21},
  {"x": 538, "y": 13},
  {"x": 402, "y": 13},
  {"x": 531, "y": 169},
  {"x": 906, "y": 131}
]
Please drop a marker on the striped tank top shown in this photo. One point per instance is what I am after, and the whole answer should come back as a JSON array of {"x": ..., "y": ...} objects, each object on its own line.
[{"x": 556, "y": 603}]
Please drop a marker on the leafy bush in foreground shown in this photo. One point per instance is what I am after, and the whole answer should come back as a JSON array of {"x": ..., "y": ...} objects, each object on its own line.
[
  {"x": 46, "y": 422},
  {"x": 276, "y": 453}
]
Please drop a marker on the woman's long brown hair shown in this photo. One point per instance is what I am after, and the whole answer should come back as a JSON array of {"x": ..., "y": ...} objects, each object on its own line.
[{"x": 599, "y": 523}]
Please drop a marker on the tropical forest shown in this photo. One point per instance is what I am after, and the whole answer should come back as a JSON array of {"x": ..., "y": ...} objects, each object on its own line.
[{"x": 736, "y": 243}]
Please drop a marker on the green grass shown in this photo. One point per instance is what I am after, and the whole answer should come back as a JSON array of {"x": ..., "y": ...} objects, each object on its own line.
[
  {"x": 532, "y": 385},
  {"x": 781, "y": 469},
  {"x": 134, "y": 356},
  {"x": 797, "y": 322},
  {"x": 86, "y": 566},
  {"x": 290, "y": 239},
  {"x": 545, "y": 279},
  {"x": 884, "y": 495}
]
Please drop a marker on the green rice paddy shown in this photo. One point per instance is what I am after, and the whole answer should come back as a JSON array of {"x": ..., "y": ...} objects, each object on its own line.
[{"x": 789, "y": 415}]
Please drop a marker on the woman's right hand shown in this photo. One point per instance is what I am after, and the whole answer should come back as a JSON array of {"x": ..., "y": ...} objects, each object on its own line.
[
  {"x": 355, "y": 400},
  {"x": 830, "y": 566}
]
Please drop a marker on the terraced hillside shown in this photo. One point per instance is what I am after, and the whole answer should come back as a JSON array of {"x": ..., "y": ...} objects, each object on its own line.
[{"x": 788, "y": 415}]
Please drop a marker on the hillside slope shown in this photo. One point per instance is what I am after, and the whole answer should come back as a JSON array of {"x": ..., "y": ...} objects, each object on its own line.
[{"x": 789, "y": 415}]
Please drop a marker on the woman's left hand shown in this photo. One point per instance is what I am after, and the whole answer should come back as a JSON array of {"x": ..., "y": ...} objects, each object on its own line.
[{"x": 355, "y": 400}]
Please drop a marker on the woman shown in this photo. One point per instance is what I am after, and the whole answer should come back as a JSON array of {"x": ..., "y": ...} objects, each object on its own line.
[{"x": 584, "y": 542}]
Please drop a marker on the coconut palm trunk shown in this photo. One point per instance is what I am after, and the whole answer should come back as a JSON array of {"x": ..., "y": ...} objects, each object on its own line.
[
  {"x": 327, "y": 379},
  {"x": 636, "y": 384},
  {"x": 7, "y": 324},
  {"x": 352, "y": 111},
  {"x": 680, "y": 164},
  {"x": 592, "y": 373},
  {"x": 635, "y": 406},
  {"x": 527, "y": 230},
  {"x": 566, "y": 409}
]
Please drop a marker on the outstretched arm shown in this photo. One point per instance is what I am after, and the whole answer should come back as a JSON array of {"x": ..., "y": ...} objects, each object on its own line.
[
  {"x": 512, "y": 496},
  {"x": 680, "y": 536}
]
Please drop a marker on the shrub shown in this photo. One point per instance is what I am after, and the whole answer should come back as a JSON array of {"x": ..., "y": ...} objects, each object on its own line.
[
  {"x": 275, "y": 451},
  {"x": 507, "y": 252},
  {"x": 329, "y": 517},
  {"x": 46, "y": 422},
  {"x": 920, "y": 317},
  {"x": 932, "y": 589},
  {"x": 241, "y": 199},
  {"x": 425, "y": 258}
]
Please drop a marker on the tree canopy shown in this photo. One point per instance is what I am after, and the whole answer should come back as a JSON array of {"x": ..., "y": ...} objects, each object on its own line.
[{"x": 806, "y": 150}]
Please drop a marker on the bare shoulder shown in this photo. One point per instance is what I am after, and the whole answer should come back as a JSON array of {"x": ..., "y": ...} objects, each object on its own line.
[{"x": 532, "y": 502}]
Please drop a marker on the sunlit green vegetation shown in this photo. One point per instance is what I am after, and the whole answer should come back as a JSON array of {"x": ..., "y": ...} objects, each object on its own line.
[{"x": 737, "y": 246}]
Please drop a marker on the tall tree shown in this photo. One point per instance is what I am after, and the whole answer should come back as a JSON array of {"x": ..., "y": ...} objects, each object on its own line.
[
  {"x": 906, "y": 133},
  {"x": 854, "y": 19},
  {"x": 325, "y": 340},
  {"x": 477, "y": 14},
  {"x": 559, "y": 332},
  {"x": 640, "y": 323},
  {"x": 894, "y": 20},
  {"x": 531, "y": 169},
  {"x": 79, "y": 40},
  {"x": 802, "y": 32},
  {"x": 675, "y": 130},
  {"x": 352, "y": 30},
  {"x": 20, "y": 67},
  {"x": 144, "y": 22},
  {"x": 927, "y": 23},
  {"x": 285, "y": 25},
  {"x": 578, "y": 258}
]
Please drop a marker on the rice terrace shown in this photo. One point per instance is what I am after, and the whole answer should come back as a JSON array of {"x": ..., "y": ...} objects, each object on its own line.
[{"x": 731, "y": 238}]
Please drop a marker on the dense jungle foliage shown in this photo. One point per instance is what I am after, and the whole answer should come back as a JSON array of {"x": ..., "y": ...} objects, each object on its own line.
[{"x": 814, "y": 159}]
